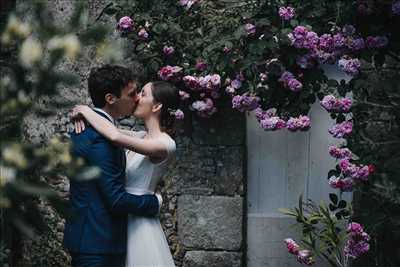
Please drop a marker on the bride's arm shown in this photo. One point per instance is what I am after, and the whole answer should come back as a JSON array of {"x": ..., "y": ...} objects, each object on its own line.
[
  {"x": 129, "y": 132},
  {"x": 151, "y": 148}
]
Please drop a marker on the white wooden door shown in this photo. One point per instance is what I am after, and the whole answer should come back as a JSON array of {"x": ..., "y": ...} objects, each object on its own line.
[{"x": 282, "y": 165}]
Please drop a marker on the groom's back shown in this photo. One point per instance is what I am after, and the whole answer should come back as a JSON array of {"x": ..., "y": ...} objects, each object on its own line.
[{"x": 93, "y": 228}]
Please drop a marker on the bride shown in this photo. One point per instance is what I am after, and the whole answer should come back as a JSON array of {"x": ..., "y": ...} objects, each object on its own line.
[{"x": 147, "y": 153}]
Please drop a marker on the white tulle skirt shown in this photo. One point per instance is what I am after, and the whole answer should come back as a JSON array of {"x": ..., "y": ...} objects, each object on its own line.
[{"x": 147, "y": 245}]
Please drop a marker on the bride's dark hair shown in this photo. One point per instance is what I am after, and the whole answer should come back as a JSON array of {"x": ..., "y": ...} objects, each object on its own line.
[{"x": 166, "y": 94}]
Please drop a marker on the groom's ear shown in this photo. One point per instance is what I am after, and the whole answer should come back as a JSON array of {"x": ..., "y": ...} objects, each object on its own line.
[{"x": 110, "y": 98}]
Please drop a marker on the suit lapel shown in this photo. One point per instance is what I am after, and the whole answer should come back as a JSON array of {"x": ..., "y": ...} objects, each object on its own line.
[
  {"x": 103, "y": 115},
  {"x": 122, "y": 156}
]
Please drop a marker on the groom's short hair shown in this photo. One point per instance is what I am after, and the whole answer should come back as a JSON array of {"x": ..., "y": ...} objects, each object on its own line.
[{"x": 108, "y": 79}]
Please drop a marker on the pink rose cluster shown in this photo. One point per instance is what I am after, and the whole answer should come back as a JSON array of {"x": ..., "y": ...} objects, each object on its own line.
[
  {"x": 245, "y": 102},
  {"x": 268, "y": 119},
  {"x": 376, "y": 41},
  {"x": 207, "y": 85},
  {"x": 184, "y": 95},
  {"x": 358, "y": 242},
  {"x": 333, "y": 104},
  {"x": 328, "y": 48},
  {"x": 339, "y": 153},
  {"x": 340, "y": 130},
  {"x": 289, "y": 81},
  {"x": 201, "y": 65},
  {"x": 302, "y": 123},
  {"x": 179, "y": 115},
  {"x": 302, "y": 37},
  {"x": 233, "y": 86},
  {"x": 350, "y": 66},
  {"x": 125, "y": 24},
  {"x": 359, "y": 173},
  {"x": 303, "y": 255},
  {"x": 344, "y": 184},
  {"x": 187, "y": 4},
  {"x": 250, "y": 29},
  {"x": 204, "y": 108},
  {"x": 143, "y": 34},
  {"x": 170, "y": 73},
  {"x": 351, "y": 173},
  {"x": 286, "y": 13},
  {"x": 168, "y": 50}
]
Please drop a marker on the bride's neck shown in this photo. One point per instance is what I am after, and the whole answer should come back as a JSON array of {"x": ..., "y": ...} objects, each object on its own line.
[{"x": 152, "y": 125}]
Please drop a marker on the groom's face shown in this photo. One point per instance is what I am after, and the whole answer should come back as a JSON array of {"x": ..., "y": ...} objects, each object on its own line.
[{"x": 126, "y": 104}]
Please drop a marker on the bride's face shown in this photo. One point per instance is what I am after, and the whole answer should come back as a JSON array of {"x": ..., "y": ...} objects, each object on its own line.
[{"x": 146, "y": 105}]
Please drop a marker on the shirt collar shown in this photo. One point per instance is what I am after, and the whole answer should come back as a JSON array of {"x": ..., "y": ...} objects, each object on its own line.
[{"x": 105, "y": 113}]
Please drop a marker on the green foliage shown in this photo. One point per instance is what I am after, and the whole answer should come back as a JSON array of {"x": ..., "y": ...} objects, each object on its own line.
[
  {"x": 31, "y": 53},
  {"x": 322, "y": 227}
]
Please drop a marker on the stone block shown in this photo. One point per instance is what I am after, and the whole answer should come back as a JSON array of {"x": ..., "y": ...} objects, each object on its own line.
[
  {"x": 212, "y": 259},
  {"x": 208, "y": 170},
  {"x": 210, "y": 222}
]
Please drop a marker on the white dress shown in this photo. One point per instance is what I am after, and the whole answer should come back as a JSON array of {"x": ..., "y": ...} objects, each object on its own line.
[{"x": 147, "y": 244}]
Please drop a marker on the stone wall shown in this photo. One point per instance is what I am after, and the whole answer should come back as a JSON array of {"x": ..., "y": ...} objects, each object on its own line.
[{"x": 203, "y": 193}]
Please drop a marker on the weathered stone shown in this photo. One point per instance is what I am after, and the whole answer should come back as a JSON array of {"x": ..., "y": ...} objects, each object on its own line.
[
  {"x": 204, "y": 170},
  {"x": 61, "y": 10},
  {"x": 227, "y": 127},
  {"x": 212, "y": 259},
  {"x": 213, "y": 222}
]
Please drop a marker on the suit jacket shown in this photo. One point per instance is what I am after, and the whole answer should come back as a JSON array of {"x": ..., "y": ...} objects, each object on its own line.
[{"x": 100, "y": 206}]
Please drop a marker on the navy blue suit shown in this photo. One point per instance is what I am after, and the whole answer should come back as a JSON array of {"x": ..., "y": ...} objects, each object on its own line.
[{"x": 100, "y": 206}]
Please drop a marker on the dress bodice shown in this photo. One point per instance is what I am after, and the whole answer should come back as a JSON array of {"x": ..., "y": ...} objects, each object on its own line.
[{"x": 142, "y": 174}]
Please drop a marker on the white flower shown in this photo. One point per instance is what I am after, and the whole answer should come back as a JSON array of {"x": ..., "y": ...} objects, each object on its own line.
[
  {"x": 72, "y": 46},
  {"x": 69, "y": 43},
  {"x": 15, "y": 27},
  {"x": 31, "y": 52},
  {"x": 15, "y": 155},
  {"x": 7, "y": 175}
]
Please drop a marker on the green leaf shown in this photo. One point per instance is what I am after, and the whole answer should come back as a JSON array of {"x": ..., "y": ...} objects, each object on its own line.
[
  {"x": 331, "y": 173},
  {"x": 342, "y": 204},
  {"x": 34, "y": 189},
  {"x": 294, "y": 23},
  {"x": 332, "y": 207},
  {"x": 340, "y": 118},
  {"x": 111, "y": 10},
  {"x": 93, "y": 35},
  {"x": 333, "y": 198},
  {"x": 287, "y": 212},
  {"x": 141, "y": 46},
  {"x": 301, "y": 206},
  {"x": 332, "y": 83},
  {"x": 263, "y": 22}
]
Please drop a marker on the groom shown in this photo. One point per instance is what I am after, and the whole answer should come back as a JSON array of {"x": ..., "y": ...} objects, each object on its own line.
[{"x": 96, "y": 234}]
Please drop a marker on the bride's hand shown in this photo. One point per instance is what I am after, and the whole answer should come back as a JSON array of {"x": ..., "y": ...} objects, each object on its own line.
[{"x": 77, "y": 117}]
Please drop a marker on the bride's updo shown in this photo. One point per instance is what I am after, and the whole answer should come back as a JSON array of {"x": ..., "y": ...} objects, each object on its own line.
[{"x": 166, "y": 94}]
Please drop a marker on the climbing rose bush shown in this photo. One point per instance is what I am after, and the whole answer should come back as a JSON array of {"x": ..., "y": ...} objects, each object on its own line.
[{"x": 265, "y": 57}]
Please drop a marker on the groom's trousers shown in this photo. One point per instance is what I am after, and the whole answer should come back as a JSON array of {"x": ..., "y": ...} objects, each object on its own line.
[{"x": 98, "y": 260}]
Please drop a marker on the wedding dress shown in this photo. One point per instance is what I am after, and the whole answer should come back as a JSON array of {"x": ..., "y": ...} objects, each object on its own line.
[{"x": 147, "y": 244}]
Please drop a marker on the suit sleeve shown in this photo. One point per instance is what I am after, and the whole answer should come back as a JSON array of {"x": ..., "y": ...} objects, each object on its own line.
[{"x": 103, "y": 155}]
